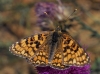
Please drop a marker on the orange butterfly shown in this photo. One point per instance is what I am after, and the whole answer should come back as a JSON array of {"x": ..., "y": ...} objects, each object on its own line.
[{"x": 56, "y": 49}]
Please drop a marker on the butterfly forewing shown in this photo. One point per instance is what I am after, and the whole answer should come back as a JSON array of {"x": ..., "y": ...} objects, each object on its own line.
[
  {"x": 73, "y": 54},
  {"x": 27, "y": 47}
]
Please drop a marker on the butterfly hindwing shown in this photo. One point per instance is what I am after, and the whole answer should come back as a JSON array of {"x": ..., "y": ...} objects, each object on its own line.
[
  {"x": 72, "y": 52},
  {"x": 27, "y": 47},
  {"x": 40, "y": 59},
  {"x": 57, "y": 61}
]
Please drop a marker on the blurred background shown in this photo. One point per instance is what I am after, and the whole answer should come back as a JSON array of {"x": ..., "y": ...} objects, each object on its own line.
[{"x": 18, "y": 20}]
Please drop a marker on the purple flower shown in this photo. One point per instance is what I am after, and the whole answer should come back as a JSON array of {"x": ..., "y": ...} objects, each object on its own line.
[
  {"x": 72, "y": 70},
  {"x": 47, "y": 7},
  {"x": 45, "y": 12},
  {"x": 48, "y": 13},
  {"x": 57, "y": 11}
]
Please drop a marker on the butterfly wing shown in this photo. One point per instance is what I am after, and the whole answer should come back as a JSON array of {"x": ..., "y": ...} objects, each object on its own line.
[
  {"x": 57, "y": 61},
  {"x": 73, "y": 54},
  {"x": 41, "y": 58},
  {"x": 27, "y": 47}
]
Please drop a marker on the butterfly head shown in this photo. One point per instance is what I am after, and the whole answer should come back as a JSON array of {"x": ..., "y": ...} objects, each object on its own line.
[{"x": 58, "y": 29}]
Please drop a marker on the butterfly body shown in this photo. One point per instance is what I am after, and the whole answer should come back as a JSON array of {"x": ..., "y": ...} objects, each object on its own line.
[{"x": 53, "y": 44}]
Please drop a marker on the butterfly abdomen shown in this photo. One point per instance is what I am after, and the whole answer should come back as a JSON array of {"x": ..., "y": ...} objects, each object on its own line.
[{"x": 53, "y": 45}]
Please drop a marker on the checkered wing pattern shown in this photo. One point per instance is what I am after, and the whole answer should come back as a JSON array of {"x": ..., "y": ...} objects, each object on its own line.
[
  {"x": 27, "y": 47},
  {"x": 40, "y": 59},
  {"x": 57, "y": 61},
  {"x": 73, "y": 54}
]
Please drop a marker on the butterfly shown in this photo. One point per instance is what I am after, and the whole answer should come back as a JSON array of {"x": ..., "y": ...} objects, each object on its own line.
[{"x": 56, "y": 49}]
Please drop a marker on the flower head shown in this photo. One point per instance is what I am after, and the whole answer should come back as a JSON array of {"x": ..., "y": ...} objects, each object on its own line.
[
  {"x": 72, "y": 70},
  {"x": 48, "y": 13},
  {"x": 53, "y": 10}
]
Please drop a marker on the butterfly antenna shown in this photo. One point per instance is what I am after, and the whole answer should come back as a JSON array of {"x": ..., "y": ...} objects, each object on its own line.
[
  {"x": 71, "y": 14},
  {"x": 46, "y": 13},
  {"x": 48, "y": 16},
  {"x": 60, "y": 3},
  {"x": 63, "y": 28}
]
